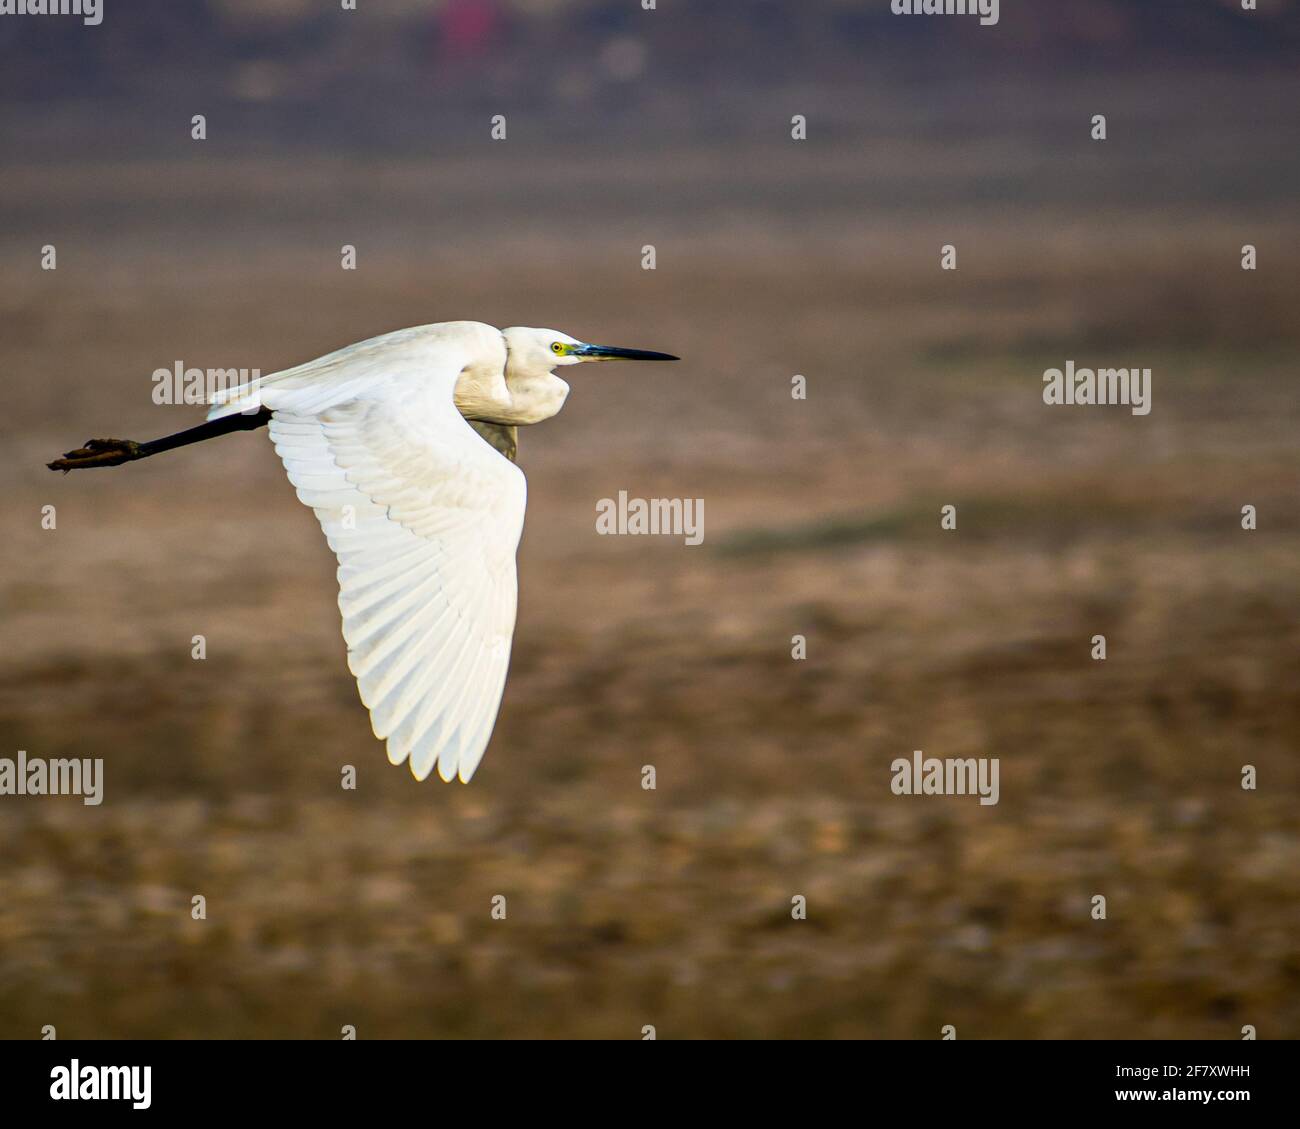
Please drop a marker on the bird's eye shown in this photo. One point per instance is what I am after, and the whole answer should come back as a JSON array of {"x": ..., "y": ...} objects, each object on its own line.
[{"x": 557, "y": 347}]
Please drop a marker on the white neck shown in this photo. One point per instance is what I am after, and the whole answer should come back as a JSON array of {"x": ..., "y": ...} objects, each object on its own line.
[{"x": 516, "y": 399}]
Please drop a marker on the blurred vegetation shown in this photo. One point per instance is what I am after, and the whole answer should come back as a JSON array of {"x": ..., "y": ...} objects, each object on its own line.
[{"x": 583, "y": 54}]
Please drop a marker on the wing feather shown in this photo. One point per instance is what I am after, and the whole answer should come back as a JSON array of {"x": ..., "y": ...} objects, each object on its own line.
[{"x": 425, "y": 519}]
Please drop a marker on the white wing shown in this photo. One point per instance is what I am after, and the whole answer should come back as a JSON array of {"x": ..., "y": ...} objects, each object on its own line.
[{"x": 425, "y": 519}]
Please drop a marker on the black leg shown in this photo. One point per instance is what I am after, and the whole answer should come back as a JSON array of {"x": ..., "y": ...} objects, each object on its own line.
[{"x": 114, "y": 452}]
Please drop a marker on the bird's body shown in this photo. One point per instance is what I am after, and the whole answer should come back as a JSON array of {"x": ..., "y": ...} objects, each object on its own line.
[
  {"x": 403, "y": 446},
  {"x": 495, "y": 382}
]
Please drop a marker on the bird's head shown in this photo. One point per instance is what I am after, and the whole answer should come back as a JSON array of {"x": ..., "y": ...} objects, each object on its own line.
[{"x": 532, "y": 350}]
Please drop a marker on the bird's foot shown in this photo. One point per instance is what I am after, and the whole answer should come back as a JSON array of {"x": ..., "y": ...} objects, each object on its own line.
[{"x": 98, "y": 452}]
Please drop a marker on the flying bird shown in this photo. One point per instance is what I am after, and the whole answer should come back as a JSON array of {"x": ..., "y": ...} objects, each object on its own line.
[{"x": 404, "y": 445}]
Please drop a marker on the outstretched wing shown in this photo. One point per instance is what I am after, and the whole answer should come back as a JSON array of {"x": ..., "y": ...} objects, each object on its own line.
[{"x": 425, "y": 519}]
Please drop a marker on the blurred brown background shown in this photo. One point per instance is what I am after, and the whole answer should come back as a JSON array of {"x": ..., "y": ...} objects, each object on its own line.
[{"x": 670, "y": 907}]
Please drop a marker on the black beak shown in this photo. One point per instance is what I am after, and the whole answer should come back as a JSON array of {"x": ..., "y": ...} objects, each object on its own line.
[{"x": 614, "y": 353}]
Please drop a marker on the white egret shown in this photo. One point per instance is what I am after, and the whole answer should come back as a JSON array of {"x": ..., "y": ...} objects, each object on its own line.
[{"x": 423, "y": 514}]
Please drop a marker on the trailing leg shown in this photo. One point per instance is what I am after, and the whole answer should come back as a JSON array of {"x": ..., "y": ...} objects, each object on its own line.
[{"x": 114, "y": 452}]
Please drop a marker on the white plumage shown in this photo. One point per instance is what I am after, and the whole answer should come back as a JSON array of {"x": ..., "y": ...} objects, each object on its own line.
[
  {"x": 424, "y": 518},
  {"x": 423, "y": 514},
  {"x": 404, "y": 447}
]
